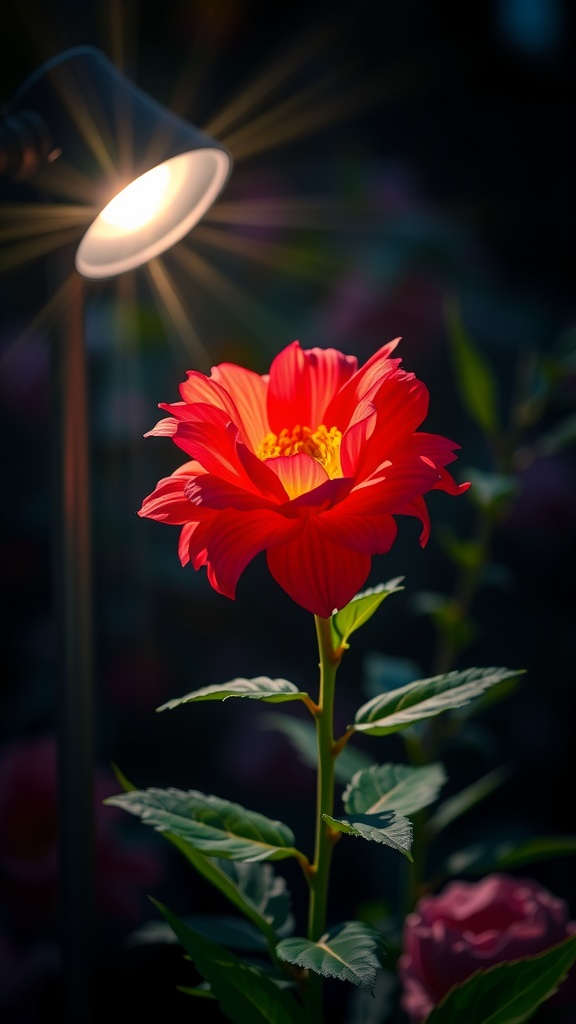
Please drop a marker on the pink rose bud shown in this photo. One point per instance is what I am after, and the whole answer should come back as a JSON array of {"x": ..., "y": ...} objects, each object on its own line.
[{"x": 471, "y": 926}]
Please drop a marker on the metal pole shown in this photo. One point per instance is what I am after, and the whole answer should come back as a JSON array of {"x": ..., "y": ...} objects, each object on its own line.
[{"x": 73, "y": 594}]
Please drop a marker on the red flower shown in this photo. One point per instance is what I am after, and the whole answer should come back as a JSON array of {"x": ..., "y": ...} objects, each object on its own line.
[{"x": 309, "y": 463}]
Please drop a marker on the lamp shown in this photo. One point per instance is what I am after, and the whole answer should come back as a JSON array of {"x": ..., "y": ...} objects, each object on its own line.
[{"x": 150, "y": 177}]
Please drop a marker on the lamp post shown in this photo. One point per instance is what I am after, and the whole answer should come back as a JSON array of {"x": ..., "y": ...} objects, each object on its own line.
[{"x": 152, "y": 176}]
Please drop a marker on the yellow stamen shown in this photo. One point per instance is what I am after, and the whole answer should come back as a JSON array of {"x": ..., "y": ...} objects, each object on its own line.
[{"x": 322, "y": 444}]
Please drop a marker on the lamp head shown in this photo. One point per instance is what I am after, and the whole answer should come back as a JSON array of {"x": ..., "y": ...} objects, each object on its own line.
[{"x": 154, "y": 175}]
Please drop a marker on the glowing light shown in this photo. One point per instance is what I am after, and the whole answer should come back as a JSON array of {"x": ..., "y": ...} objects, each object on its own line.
[
  {"x": 140, "y": 201},
  {"x": 152, "y": 213}
]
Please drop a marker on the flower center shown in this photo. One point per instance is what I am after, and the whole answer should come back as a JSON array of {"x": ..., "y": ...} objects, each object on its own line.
[{"x": 322, "y": 444}]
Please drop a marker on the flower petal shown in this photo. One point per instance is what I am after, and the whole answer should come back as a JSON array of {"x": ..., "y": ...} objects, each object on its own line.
[
  {"x": 373, "y": 534},
  {"x": 303, "y": 383},
  {"x": 298, "y": 473},
  {"x": 168, "y": 502},
  {"x": 234, "y": 538},
  {"x": 248, "y": 392},
  {"x": 418, "y": 508},
  {"x": 317, "y": 574},
  {"x": 402, "y": 405},
  {"x": 214, "y": 492},
  {"x": 188, "y": 534},
  {"x": 199, "y": 388},
  {"x": 361, "y": 385},
  {"x": 356, "y": 436}
]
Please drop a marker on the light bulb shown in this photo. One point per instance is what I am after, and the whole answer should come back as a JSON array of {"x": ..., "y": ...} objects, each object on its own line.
[{"x": 140, "y": 201}]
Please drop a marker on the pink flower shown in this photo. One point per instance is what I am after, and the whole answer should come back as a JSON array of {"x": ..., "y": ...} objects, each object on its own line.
[
  {"x": 473, "y": 925},
  {"x": 309, "y": 463}
]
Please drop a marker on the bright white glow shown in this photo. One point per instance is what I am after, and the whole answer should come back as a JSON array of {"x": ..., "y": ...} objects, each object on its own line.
[
  {"x": 139, "y": 202},
  {"x": 152, "y": 213}
]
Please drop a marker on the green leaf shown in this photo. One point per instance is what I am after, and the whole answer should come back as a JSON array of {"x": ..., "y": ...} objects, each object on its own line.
[
  {"x": 302, "y": 736},
  {"x": 508, "y": 993},
  {"x": 359, "y": 610},
  {"x": 245, "y": 993},
  {"x": 393, "y": 787},
  {"x": 474, "y": 378},
  {"x": 485, "y": 857},
  {"x": 232, "y": 932},
  {"x": 262, "y": 889},
  {"x": 260, "y": 688},
  {"x": 386, "y": 828},
  {"x": 397, "y": 709},
  {"x": 351, "y": 952},
  {"x": 200, "y": 992},
  {"x": 260, "y": 894},
  {"x": 122, "y": 780},
  {"x": 213, "y": 826},
  {"x": 457, "y": 805},
  {"x": 265, "y": 902}
]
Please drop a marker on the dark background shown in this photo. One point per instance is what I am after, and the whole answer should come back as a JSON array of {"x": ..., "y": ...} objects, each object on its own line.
[{"x": 433, "y": 155}]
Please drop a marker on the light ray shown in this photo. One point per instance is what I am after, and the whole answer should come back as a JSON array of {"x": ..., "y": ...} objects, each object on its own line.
[
  {"x": 290, "y": 260},
  {"x": 299, "y": 105},
  {"x": 245, "y": 308},
  {"x": 261, "y": 90},
  {"x": 23, "y": 252},
  {"x": 170, "y": 302},
  {"x": 211, "y": 18},
  {"x": 69, "y": 183},
  {"x": 121, "y": 26},
  {"x": 289, "y": 212},
  {"x": 29, "y": 221},
  {"x": 288, "y": 122}
]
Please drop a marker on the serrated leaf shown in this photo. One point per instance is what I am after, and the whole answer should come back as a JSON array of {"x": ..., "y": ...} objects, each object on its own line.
[
  {"x": 455, "y": 806},
  {"x": 260, "y": 688},
  {"x": 245, "y": 993},
  {"x": 508, "y": 993},
  {"x": 474, "y": 378},
  {"x": 359, "y": 610},
  {"x": 482, "y": 858},
  {"x": 397, "y": 709},
  {"x": 254, "y": 889},
  {"x": 263, "y": 890},
  {"x": 302, "y": 736},
  {"x": 386, "y": 828},
  {"x": 213, "y": 826},
  {"x": 393, "y": 787},
  {"x": 351, "y": 952}
]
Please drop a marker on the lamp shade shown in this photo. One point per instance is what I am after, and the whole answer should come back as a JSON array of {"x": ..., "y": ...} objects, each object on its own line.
[{"x": 152, "y": 175}]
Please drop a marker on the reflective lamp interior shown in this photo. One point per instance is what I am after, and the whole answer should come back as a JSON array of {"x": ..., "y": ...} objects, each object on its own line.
[{"x": 152, "y": 213}]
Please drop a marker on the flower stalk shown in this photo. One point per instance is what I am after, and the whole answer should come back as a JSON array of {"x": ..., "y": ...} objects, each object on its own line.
[{"x": 324, "y": 836}]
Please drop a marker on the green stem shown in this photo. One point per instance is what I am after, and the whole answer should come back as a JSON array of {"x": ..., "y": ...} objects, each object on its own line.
[{"x": 324, "y": 841}]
